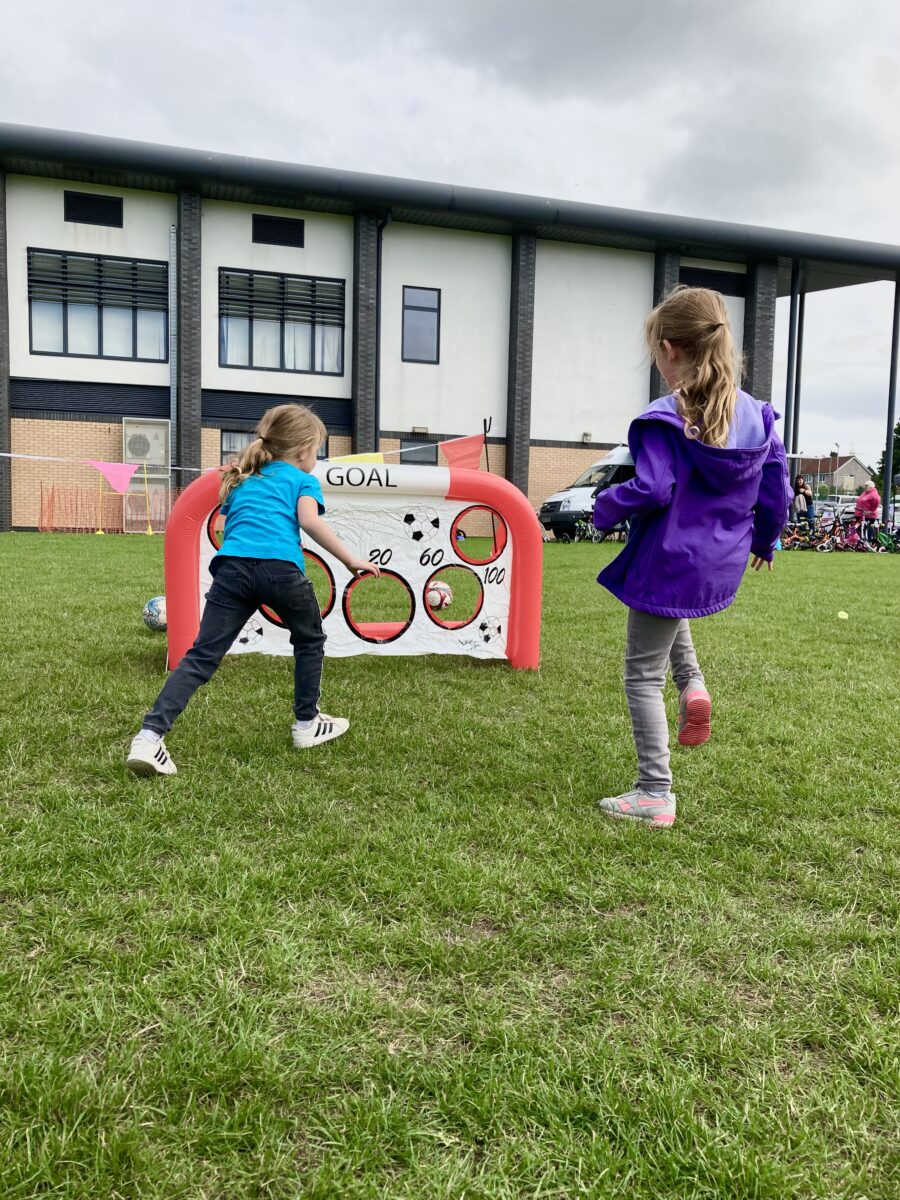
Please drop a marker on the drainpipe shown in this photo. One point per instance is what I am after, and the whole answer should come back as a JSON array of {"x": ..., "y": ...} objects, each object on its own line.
[
  {"x": 173, "y": 346},
  {"x": 380, "y": 227}
]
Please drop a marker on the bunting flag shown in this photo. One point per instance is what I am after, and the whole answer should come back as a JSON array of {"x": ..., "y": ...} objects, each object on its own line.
[
  {"x": 117, "y": 475},
  {"x": 464, "y": 451},
  {"x": 375, "y": 458}
]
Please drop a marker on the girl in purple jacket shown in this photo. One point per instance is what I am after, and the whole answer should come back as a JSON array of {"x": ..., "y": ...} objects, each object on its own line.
[{"x": 710, "y": 487}]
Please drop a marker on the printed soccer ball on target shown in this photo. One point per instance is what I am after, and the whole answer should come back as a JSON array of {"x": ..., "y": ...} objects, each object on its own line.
[
  {"x": 421, "y": 524},
  {"x": 251, "y": 633},
  {"x": 489, "y": 629},
  {"x": 155, "y": 613},
  {"x": 439, "y": 594}
]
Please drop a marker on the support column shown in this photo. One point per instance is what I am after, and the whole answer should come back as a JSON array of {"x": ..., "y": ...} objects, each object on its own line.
[
  {"x": 5, "y": 435},
  {"x": 801, "y": 316},
  {"x": 521, "y": 345},
  {"x": 665, "y": 276},
  {"x": 759, "y": 328},
  {"x": 887, "y": 483},
  {"x": 188, "y": 365},
  {"x": 364, "y": 367},
  {"x": 791, "y": 356}
]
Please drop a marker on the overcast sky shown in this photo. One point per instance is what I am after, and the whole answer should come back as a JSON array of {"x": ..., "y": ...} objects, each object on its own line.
[{"x": 766, "y": 112}]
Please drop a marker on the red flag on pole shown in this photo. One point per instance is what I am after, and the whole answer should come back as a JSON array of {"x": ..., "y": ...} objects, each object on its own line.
[
  {"x": 464, "y": 451},
  {"x": 117, "y": 475}
]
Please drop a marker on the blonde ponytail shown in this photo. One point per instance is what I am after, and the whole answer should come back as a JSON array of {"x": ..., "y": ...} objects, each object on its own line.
[
  {"x": 251, "y": 461},
  {"x": 695, "y": 320},
  {"x": 284, "y": 432}
]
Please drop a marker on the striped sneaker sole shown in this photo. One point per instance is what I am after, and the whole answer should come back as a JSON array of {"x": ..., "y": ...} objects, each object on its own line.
[
  {"x": 138, "y": 766},
  {"x": 663, "y": 821},
  {"x": 695, "y": 727}
]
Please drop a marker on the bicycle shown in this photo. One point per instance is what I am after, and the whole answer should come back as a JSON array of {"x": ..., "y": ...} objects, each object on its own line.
[
  {"x": 854, "y": 538},
  {"x": 887, "y": 541},
  {"x": 586, "y": 531}
]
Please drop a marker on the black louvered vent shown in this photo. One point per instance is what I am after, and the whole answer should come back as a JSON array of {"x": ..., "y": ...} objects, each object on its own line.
[
  {"x": 281, "y": 297},
  {"x": 278, "y": 231},
  {"x": 88, "y": 279},
  {"x": 90, "y": 209},
  {"x": 728, "y": 283}
]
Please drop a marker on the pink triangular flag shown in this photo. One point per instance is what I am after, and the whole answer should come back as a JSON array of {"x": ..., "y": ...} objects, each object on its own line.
[
  {"x": 464, "y": 451},
  {"x": 117, "y": 475}
]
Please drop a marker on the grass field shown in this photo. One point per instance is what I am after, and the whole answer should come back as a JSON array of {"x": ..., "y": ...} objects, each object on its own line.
[{"x": 417, "y": 962}]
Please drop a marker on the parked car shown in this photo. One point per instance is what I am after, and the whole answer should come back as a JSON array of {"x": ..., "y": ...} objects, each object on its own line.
[
  {"x": 843, "y": 507},
  {"x": 560, "y": 512}
]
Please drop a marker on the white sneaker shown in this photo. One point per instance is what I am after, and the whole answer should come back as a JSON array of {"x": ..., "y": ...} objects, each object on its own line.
[
  {"x": 638, "y": 805},
  {"x": 323, "y": 729},
  {"x": 149, "y": 758}
]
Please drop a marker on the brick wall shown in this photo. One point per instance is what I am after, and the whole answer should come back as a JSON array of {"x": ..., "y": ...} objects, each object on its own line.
[
  {"x": 66, "y": 439},
  {"x": 554, "y": 468},
  {"x": 551, "y": 468},
  {"x": 338, "y": 444},
  {"x": 210, "y": 447}
]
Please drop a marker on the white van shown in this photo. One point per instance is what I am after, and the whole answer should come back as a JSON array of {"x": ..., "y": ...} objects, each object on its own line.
[{"x": 560, "y": 511}]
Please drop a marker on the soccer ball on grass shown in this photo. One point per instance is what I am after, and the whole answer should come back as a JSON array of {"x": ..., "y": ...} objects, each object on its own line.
[{"x": 155, "y": 613}]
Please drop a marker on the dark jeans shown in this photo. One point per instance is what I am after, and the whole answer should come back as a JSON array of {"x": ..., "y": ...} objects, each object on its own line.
[{"x": 239, "y": 587}]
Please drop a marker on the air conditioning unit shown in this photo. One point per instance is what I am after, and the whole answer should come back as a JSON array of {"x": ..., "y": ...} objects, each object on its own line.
[{"x": 146, "y": 443}]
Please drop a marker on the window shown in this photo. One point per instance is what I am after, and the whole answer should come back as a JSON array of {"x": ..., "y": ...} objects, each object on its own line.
[
  {"x": 281, "y": 322},
  {"x": 418, "y": 452},
  {"x": 278, "y": 231},
  {"x": 89, "y": 209},
  {"x": 233, "y": 442},
  {"x": 421, "y": 325},
  {"x": 87, "y": 306}
]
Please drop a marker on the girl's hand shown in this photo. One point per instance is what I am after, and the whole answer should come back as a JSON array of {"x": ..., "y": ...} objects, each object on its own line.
[
  {"x": 359, "y": 567},
  {"x": 758, "y": 563}
]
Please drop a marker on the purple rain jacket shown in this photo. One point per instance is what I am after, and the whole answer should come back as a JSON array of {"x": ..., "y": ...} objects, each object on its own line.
[{"x": 697, "y": 511}]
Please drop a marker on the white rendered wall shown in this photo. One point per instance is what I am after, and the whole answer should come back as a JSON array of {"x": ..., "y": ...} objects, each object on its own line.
[
  {"x": 590, "y": 373},
  {"x": 472, "y": 271},
  {"x": 226, "y": 233},
  {"x": 34, "y": 215}
]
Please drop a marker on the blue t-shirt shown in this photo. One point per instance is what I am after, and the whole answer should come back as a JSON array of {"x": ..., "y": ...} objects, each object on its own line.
[{"x": 261, "y": 513}]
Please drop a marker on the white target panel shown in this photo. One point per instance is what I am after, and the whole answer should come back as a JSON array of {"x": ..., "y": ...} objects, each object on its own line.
[{"x": 451, "y": 546}]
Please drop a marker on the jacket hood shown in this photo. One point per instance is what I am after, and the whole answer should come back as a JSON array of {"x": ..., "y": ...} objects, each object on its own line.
[{"x": 721, "y": 466}]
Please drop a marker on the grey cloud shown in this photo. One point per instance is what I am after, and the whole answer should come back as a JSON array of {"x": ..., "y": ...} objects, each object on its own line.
[
  {"x": 572, "y": 47},
  {"x": 761, "y": 112}
]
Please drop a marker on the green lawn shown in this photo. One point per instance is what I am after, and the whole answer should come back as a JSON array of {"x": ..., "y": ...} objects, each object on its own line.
[{"x": 417, "y": 962}]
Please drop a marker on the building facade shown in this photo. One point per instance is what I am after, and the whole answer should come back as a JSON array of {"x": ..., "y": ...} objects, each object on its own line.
[
  {"x": 841, "y": 474},
  {"x": 154, "y": 302}
]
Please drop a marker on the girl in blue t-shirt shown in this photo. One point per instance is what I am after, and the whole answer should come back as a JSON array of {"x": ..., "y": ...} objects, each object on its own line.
[{"x": 267, "y": 496}]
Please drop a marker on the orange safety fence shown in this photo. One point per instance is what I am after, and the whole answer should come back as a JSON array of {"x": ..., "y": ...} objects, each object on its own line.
[{"x": 71, "y": 509}]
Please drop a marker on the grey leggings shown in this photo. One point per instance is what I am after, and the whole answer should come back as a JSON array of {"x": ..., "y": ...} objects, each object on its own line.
[{"x": 652, "y": 644}]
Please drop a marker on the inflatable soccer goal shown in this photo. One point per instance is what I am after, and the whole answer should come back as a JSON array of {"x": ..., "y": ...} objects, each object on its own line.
[{"x": 459, "y": 552}]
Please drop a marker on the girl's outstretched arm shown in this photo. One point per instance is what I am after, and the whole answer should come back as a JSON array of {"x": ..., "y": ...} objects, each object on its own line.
[
  {"x": 319, "y": 531},
  {"x": 651, "y": 488},
  {"x": 773, "y": 502}
]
